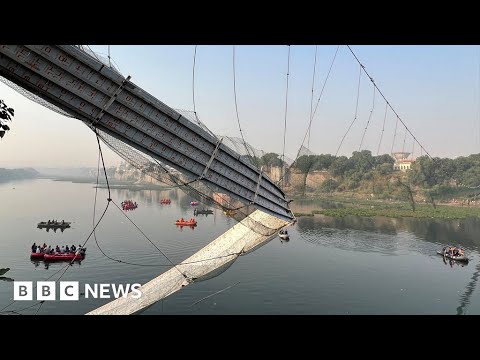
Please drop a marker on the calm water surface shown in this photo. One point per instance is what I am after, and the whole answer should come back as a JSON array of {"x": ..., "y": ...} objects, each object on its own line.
[{"x": 348, "y": 265}]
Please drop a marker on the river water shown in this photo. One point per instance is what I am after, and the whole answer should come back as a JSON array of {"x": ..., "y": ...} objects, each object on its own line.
[{"x": 349, "y": 265}]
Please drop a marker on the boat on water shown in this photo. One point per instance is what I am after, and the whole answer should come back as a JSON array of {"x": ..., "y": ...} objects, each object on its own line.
[
  {"x": 129, "y": 205},
  {"x": 63, "y": 257},
  {"x": 202, "y": 212},
  {"x": 58, "y": 256},
  {"x": 453, "y": 253},
  {"x": 53, "y": 224},
  {"x": 165, "y": 201},
  {"x": 191, "y": 222},
  {"x": 283, "y": 234},
  {"x": 194, "y": 203}
]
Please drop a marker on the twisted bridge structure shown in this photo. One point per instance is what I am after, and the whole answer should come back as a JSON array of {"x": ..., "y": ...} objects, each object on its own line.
[
  {"x": 87, "y": 89},
  {"x": 76, "y": 83}
]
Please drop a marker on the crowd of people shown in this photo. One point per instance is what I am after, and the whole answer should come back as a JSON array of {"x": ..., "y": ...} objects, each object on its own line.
[
  {"x": 57, "y": 249},
  {"x": 453, "y": 251},
  {"x": 129, "y": 204}
]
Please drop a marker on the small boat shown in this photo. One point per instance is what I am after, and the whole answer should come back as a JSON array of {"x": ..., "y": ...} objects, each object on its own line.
[
  {"x": 53, "y": 224},
  {"x": 186, "y": 223},
  {"x": 194, "y": 203},
  {"x": 165, "y": 201},
  {"x": 444, "y": 252},
  {"x": 63, "y": 257},
  {"x": 202, "y": 212},
  {"x": 283, "y": 234},
  {"x": 37, "y": 255}
]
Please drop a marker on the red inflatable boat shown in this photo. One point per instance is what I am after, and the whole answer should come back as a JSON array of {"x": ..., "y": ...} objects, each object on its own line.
[{"x": 67, "y": 256}]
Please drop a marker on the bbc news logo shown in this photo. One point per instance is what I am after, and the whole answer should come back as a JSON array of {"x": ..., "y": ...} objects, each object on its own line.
[{"x": 69, "y": 290}]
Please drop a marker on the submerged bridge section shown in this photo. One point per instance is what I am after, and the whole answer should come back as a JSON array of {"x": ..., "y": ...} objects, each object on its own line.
[{"x": 93, "y": 92}]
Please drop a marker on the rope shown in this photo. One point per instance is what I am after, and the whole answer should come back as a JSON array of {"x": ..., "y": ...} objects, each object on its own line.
[
  {"x": 215, "y": 293},
  {"x": 311, "y": 100},
  {"x": 383, "y": 128},
  {"x": 314, "y": 112},
  {"x": 368, "y": 122},
  {"x": 398, "y": 117},
  {"x": 286, "y": 108},
  {"x": 404, "y": 139},
  {"x": 236, "y": 108},
  {"x": 394, "y": 136},
  {"x": 356, "y": 111},
  {"x": 413, "y": 148},
  {"x": 193, "y": 79}
]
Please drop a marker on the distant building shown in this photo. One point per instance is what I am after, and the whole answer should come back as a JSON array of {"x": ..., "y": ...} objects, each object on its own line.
[{"x": 402, "y": 162}]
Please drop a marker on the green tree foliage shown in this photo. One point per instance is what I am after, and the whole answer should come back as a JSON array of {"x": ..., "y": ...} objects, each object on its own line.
[
  {"x": 329, "y": 185},
  {"x": 6, "y": 114},
  {"x": 385, "y": 168},
  {"x": 270, "y": 159},
  {"x": 323, "y": 161},
  {"x": 383, "y": 159},
  {"x": 305, "y": 163},
  {"x": 340, "y": 166}
]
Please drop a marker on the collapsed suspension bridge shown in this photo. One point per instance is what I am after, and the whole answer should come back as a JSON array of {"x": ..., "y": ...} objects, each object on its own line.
[
  {"x": 160, "y": 141},
  {"x": 172, "y": 146}
]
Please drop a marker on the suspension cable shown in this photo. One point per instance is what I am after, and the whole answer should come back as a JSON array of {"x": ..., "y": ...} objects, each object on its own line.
[
  {"x": 311, "y": 99},
  {"x": 383, "y": 128},
  {"x": 404, "y": 139},
  {"x": 286, "y": 108},
  {"x": 236, "y": 108},
  {"x": 394, "y": 136},
  {"x": 356, "y": 111},
  {"x": 314, "y": 112},
  {"x": 398, "y": 117},
  {"x": 368, "y": 122}
]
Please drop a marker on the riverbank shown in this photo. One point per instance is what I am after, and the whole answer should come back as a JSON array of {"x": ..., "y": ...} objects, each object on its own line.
[
  {"x": 397, "y": 209},
  {"x": 114, "y": 184}
]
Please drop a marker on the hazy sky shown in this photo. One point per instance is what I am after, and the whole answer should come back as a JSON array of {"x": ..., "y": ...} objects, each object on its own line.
[{"x": 435, "y": 89}]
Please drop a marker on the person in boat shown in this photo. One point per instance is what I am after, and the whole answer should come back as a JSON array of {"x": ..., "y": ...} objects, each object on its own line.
[
  {"x": 37, "y": 250},
  {"x": 67, "y": 249},
  {"x": 34, "y": 247},
  {"x": 57, "y": 249},
  {"x": 62, "y": 250},
  {"x": 73, "y": 248},
  {"x": 48, "y": 250},
  {"x": 181, "y": 220}
]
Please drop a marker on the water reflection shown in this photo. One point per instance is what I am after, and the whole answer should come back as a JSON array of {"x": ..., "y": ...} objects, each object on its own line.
[
  {"x": 459, "y": 232},
  {"x": 48, "y": 264},
  {"x": 192, "y": 227},
  {"x": 4, "y": 278},
  {"x": 469, "y": 289}
]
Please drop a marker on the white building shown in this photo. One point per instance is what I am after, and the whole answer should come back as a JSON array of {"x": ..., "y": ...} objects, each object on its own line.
[{"x": 402, "y": 162}]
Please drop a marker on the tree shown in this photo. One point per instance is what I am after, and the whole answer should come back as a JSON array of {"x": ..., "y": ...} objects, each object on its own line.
[
  {"x": 6, "y": 114},
  {"x": 271, "y": 159},
  {"x": 339, "y": 166},
  {"x": 323, "y": 162},
  {"x": 384, "y": 159},
  {"x": 304, "y": 164}
]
